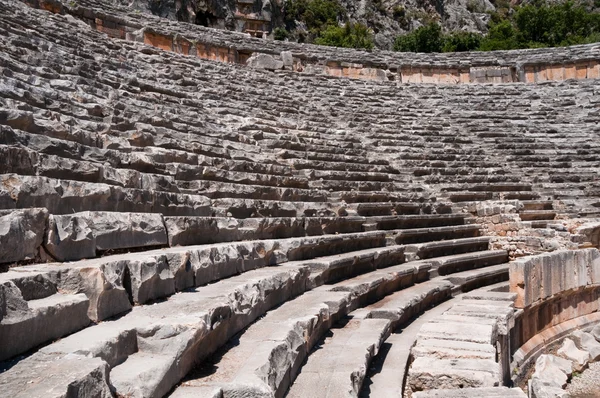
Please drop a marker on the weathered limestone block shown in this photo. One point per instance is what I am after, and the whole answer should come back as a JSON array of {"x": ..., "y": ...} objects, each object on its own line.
[
  {"x": 81, "y": 235},
  {"x": 150, "y": 277},
  {"x": 541, "y": 277},
  {"x": 578, "y": 357},
  {"x": 493, "y": 392},
  {"x": 106, "y": 341},
  {"x": 431, "y": 373},
  {"x": 264, "y": 61},
  {"x": 588, "y": 343},
  {"x": 550, "y": 377},
  {"x": 27, "y": 324},
  {"x": 596, "y": 332},
  {"x": 70, "y": 238},
  {"x": 552, "y": 371},
  {"x": 21, "y": 234},
  {"x": 53, "y": 376},
  {"x": 104, "y": 286}
]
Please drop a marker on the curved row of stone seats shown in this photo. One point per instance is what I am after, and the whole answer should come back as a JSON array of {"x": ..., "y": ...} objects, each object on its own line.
[
  {"x": 278, "y": 349},
  {"x": 316, "y": 272}
]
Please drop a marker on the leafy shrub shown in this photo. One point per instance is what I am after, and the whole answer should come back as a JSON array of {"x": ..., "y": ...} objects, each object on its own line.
[
  {"x": 280, "y": 34},
  {"x": 425, "y": 39},
  {"x": 461, "y": 41},
  {"x": 351, "y": 35},
  {"x": 316, "y": 14}
]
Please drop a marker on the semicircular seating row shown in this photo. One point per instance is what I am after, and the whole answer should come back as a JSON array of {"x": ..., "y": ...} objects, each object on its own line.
[{"x": 153, "y": 206}]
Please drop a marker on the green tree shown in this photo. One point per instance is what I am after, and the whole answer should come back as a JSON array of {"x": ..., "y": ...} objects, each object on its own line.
[
  {"x": 425, "y": 39},
  {"x": 461, "y": 41},
  {"x": 351, "y": 35},
  {"x": 501, "y": 36}
]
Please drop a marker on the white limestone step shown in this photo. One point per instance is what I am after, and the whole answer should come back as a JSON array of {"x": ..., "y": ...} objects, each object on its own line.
[
  {"x": 337, "y": 367},
  {"x": 31, "y": 323}
]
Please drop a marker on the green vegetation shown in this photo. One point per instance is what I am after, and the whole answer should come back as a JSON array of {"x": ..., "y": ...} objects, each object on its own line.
[
  {"x": 321, "y": 18},
  {"x": 280, "y": 34},
  {"x": 530, "y": 26},
  {"x": 316, "y": 14},
  {"x": 430, "y": 39},
  {"x": 353, "y": 35}
]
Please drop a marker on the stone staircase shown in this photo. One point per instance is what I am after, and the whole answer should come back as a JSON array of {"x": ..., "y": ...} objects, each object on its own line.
[{"x": 172, "y": 226}]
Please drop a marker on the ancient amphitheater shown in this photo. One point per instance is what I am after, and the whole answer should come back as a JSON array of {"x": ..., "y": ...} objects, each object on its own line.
[{"x": 195, "y": 213}]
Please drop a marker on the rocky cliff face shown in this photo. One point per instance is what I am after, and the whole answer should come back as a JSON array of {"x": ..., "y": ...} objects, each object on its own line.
[{"x": 387, "y": 18}]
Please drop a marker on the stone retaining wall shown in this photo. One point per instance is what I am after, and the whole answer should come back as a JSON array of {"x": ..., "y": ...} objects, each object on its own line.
[
  {"x": 556, "y": 293},
  {"x": 526, "y": 66}
]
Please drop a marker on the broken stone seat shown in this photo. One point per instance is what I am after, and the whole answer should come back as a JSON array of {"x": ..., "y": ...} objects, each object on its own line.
[
  {"x": 315, "y": 145},
  {"x": 346, "y": 175},
  {"x": 466, "y": 261},
  {"x": 537, "y": 204},
  {"x": 497, "y": 195},
  {"x": 400, "y": 208},
  {"x": 358, "y": 185},
  {"x": 111, "y": 285},
  {"x": 218, "y": 190},
  {"x": 378, "y": 196}
]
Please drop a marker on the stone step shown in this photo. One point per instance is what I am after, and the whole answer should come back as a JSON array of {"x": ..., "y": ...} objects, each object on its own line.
[
  {"x": 183, "y": 231},
  {"x": 275, "y": 368},
  {"x": 440, "y": 248},
  {"x": 467, "y": 261},
  {"x": 420, "y": 235},
  {"x": 537, "y": 204},
  {"x": 247, "y": 208},
  {"x": 403, "y": 305},
  {"x": 265, "y": 357},
  {"x": 330, "y": 269},
  {"x": 476, "y": 278},
  {"x": 536, "y": 215},
  {"x": 337, "y": 366},
  {"x": 32, "y": 321},
  {"x": 68, "y": 196},
  {"x": 418, "y": 221},
  {"x": 113, "y": 283}
]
